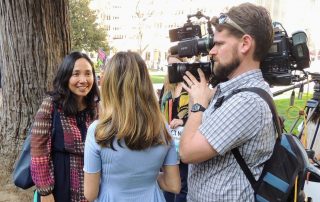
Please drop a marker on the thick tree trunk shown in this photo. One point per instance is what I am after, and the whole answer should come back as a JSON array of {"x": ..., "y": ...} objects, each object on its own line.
[{"x": 34, "y": 37}]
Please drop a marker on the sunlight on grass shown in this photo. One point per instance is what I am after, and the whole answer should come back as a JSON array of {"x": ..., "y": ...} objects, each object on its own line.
[
  {"x": 291, "y": 113},
  {"x": 157, "y": 78}
]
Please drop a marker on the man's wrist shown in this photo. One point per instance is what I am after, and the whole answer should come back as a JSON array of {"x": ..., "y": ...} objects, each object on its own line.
[
  {"x": 202, "y": 103},
  {"x": 197, "y": 107}
]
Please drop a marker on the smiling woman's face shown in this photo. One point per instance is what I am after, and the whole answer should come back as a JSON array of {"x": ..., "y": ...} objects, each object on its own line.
[{"x": 81, "y": 80}]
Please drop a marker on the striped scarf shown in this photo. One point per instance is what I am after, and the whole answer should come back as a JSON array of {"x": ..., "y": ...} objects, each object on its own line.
[{"x": 167, "y": 104}]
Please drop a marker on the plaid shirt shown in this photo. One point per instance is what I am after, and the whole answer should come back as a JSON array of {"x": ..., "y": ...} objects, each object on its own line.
[{"x": 243, "y": 121}]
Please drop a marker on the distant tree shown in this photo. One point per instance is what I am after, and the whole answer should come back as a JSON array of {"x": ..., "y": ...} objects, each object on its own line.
[
  {"x": 86, "y": 34},
  {"x": 143, "y": 14},
  {"x": 34, "y": 37}
]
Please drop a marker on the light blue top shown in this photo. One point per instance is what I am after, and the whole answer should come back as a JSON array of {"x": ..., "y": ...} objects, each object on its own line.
[{"x": 127, "y": 175}]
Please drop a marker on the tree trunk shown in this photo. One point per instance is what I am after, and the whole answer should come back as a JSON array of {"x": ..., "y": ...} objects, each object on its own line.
[{"x": 34, "y": 37}]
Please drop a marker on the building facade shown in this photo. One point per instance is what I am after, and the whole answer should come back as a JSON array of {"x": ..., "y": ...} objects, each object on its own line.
[{"x": 143, "y": 25}]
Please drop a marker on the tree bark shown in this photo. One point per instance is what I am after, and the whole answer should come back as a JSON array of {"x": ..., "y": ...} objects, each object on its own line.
[{"x": 34, "y": 38}]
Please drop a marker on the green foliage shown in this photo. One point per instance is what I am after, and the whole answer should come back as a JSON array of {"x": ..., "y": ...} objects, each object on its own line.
[
  {"x": 86, "y": 34},
  {"x": 96, "y": 68}
]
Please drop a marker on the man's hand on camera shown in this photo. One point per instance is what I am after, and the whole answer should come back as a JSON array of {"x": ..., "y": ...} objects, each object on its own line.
[{"x": 199, "y": 92}]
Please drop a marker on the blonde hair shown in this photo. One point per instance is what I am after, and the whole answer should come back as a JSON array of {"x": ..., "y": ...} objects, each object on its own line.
[{"x": 129, "y": 107}]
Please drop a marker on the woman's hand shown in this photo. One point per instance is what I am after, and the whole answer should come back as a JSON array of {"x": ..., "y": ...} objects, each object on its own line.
[
  {"x": 175, "y": 123},
  {"x": 48, "y": 198}
]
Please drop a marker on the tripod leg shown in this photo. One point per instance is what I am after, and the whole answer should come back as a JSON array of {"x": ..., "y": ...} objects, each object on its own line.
[
  {"x": 311, "y": 110},
  {"x": 294, "y": 125}
]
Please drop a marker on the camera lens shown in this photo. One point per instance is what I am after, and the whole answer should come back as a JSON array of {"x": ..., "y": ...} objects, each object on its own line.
[
  {"x": 205, "y": 44},
  {"x": 176, "y": 71}
]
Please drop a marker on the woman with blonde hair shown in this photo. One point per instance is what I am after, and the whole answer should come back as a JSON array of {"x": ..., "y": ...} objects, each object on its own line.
[{"x": 128, "y": 145}]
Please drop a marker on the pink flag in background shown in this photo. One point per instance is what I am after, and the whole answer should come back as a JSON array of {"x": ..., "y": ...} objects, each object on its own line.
[{"x": 101, "y": 55}]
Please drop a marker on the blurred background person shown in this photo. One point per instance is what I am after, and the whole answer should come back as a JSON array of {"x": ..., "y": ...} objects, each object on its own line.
[
  {"x": 57, "y": 142},
  {"x": 174, "y": 102},
  {"x": 128, "y": 145}
]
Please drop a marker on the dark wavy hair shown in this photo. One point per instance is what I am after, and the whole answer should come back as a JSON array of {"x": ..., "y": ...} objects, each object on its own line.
[{"x": 62, "y": 94}]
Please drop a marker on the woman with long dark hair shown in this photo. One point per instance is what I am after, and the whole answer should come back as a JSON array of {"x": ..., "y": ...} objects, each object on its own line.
[{"x": 59, "y": 131}]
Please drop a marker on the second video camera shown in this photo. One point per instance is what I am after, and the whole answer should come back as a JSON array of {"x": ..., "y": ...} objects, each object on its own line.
[
  {"x": 285, "y": 55},
  {"x": 191, "y": 43}
]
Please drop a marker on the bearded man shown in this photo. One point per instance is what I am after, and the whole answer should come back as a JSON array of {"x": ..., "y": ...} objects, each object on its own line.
[{"x": 242, "y": 38}]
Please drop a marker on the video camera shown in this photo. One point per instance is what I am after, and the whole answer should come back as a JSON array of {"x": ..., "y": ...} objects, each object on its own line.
[
  {"x": 286, "y": 55},
  {"x": 191, "y": 43}
]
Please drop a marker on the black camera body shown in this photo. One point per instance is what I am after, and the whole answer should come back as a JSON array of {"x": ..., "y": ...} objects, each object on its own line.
[
  {"x": 190, "y": 43},
  {"x": 285, "y": 55},
  {"x": 192, "y": 47}
]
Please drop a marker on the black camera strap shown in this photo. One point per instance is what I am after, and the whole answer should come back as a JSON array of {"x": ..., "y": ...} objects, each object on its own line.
[{"x": 235, "y": 151}]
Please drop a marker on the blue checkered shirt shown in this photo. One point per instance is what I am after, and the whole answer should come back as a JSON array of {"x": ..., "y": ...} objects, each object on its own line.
[{"x": 243, "y": 121}]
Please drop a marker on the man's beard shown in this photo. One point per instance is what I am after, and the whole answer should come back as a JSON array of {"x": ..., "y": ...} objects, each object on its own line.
[{"x": 221, "y": 72}]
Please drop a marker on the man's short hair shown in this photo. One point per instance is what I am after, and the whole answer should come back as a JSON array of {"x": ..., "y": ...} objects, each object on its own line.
[{"x": 253, "y": 20}]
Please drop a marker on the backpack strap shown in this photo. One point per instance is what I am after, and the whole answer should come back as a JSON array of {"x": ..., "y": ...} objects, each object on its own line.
[{"x": 235, "y": 151}]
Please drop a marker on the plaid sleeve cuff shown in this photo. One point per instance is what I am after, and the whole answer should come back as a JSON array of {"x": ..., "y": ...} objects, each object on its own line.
[{"x": 45, "y": 191}]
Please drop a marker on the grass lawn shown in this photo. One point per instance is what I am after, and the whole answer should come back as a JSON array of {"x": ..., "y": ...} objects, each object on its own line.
[
  {"x": 157, "y": 78},
  {"x": 291, "y": 113}
]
